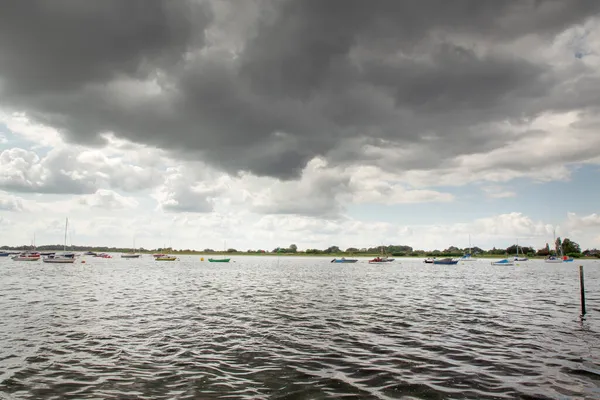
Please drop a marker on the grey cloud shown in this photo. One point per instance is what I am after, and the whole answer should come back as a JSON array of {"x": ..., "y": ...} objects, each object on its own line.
[{"x": 293, "y": 80}]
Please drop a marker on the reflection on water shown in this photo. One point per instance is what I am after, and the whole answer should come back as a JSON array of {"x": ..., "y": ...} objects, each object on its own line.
[{"x": 297, "y": 328}]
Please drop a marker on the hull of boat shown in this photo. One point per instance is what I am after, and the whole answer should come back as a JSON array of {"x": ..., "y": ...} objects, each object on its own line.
[
  {"x": 445, "y": 262},
  {"x": 26, "y": 258},
  {"x": 59, "y": 260},
  {"x": 349, "y": 261},
  {"x": 501, "y": 263},
  {"x": 522, "y": 259},
  {"x": 221, "y": 260},
  {"x": 130, "y": 256},
  {"x": 556, "y": 261},
  {"x": 165, "y": 258}
]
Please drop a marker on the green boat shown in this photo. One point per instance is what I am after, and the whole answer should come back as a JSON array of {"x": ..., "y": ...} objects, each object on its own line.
[{"x": 219, "y": 259}]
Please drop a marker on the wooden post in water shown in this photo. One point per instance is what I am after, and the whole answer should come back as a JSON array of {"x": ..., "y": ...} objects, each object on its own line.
[{"x": 582, "y": 289}]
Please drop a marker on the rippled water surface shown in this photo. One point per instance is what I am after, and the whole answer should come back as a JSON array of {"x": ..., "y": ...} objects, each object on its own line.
[{"x": 297, "y": 328}]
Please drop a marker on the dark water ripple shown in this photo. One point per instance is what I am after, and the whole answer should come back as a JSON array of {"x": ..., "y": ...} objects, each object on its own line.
[{"x": 296, "y": 329}]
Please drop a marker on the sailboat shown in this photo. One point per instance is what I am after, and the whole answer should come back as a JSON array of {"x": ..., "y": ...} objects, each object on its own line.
[
  {"x": 31, "y": 255},
  {"x": 133, "y": 254},
  {"x": 64, "y": 258},
  {"x": 221, "y": 260},
  {"x": 557, "y": 259},
  {"x": 467, "y": 257},
  {"x": 382, "y": 259},
  {"x": 517, "y": 258}
]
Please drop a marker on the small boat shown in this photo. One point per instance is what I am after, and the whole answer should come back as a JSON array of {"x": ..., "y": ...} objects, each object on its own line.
[
  {"x": 60, "y": 259},
  {"x": 517, "y": 258},
  {"x": 502, "y": 262},
  {"x": 568, "y": 259},
  {"x": 221, "y": 260},
  {"x": 344, "y": 260},
  {"x": 445, "y": 261},
  {"x": 429, "y": 260},
  {"x": 158, "y": 255},
  {"x": 103, "y": 255},
  {"x": 27, "y": 256},
  {"x": 164, "y": 257},
  {"x": 48, "y": 253},
  {"x": 4, "y": 254},
  {"x": 558, "y": 258},
  {"x": 130, "y": 255},
  {"x": 90, "y": 253},
  {"x": 64, "y": 258},
  {"x": 468, "y": 257},
  {"x": 379, "y": 260}
]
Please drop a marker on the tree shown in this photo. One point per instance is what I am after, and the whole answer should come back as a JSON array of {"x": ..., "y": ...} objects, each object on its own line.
[
  {"x": 332, "y": 249},
  {"x": 293, "y": 248},
  {"x": 570, "y": 247},
  {"x": 545, "y": 251}
]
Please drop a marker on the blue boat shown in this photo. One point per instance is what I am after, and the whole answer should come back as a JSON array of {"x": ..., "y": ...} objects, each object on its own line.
[
  {"x": 344, "y": 260},
  {"x": 4, "y": 254},
  {"x": 568, "y": 259},
  {"x": 445, "y": 261},
  {"x": 502, "y": 262}
]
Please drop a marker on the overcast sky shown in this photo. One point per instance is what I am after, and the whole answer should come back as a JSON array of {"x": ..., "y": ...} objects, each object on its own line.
[{"x": 266, "y": 123}]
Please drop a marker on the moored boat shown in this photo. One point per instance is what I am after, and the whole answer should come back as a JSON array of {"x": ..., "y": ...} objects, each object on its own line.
[
  {"x": 429, "y": 260},
  {"x": 502, "y": 262},
  {"x": 221, "y": 260},
  {"x": 164, "y": 257},
  {"x": 62, "y": 258},
  {"x": 130, "y": 255},
  {"x": 380, "y": 260},
  {"x": 27, "y": 256},
  {"x": 445, "y": 261},
  {"x": 344, "y": 260}
]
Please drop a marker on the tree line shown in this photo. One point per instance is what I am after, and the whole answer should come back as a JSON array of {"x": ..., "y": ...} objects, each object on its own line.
[{"x": 568, "y": 247}]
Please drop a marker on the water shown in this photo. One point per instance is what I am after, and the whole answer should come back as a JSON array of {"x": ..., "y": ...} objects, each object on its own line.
[{"x": 297, "y": 328}]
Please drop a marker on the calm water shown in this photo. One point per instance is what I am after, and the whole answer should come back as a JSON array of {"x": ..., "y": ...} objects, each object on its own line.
[{"x": 299, "y": 328}]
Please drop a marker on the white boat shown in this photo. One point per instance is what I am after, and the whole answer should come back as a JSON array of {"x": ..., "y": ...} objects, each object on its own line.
[
  {"x": 61, "y": 258},
  {"x": 517, "y": 258},
  {"x": 557, "y": 259},
  {"x": 503, "y": 262},
  {"x": 27, "y": 256},
  {"x": 130, "y": 255},
  {"x": 133, "y": 254}
]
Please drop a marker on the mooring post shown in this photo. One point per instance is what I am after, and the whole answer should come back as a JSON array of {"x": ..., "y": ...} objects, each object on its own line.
[{"x": 582, "y": 288}]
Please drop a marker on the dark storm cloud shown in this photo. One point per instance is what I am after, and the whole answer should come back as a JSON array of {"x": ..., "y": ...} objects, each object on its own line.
[{"x": 305, "y": 78}]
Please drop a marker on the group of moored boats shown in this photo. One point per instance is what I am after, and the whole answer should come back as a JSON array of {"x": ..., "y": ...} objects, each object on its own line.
[
  {"x": 504, "y": 261},
  {"x": 376, "y": 260},
  {"x": 69, "y": 257}
]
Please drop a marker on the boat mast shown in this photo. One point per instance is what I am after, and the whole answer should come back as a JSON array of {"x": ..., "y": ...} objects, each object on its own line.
[{"x": 66, "y": 228}]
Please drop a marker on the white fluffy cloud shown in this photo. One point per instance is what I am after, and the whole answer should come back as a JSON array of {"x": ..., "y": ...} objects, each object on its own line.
[
  {"x": 108, "y": 200},
  {"x": 9, "y": 202}
]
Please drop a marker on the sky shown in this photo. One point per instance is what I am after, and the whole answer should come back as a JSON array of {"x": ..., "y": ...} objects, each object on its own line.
[{"x": 258, "y": 124}]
